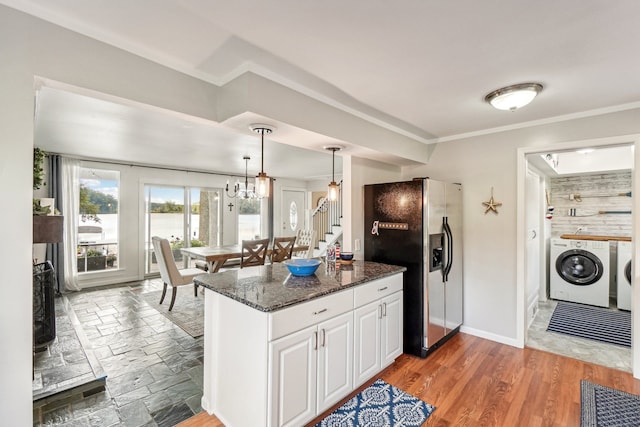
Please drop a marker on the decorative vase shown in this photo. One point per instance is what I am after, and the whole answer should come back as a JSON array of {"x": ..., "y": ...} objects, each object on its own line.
[{"x": 48, "y": 202}]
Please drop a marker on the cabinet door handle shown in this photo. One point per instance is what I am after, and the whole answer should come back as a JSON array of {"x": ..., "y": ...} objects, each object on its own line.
[
  {"x": 382, "y": 289},
  {"x": 380, "y": 311},
  {"x": 384, "y": 309},
  {"x": 324, "y": 338},
  {"x": 319, "y": 311},
  {"x": 315, "y": 340}
]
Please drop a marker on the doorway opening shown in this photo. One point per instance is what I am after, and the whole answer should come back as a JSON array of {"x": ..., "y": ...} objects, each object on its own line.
[{"x": 577, "y": 198}]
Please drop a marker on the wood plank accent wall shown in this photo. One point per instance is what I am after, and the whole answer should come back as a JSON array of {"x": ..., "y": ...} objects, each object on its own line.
[{"x": 585, "y": 185}]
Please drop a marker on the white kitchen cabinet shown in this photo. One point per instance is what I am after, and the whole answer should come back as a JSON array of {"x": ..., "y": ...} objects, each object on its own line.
[
  {"x": 293, "y": 378},
  {"x": 391, "y": 329},
  {"x": 310, "y": 370},
  {"x": 378, "y": 327},
  {"x": 285, "y": 366},
  {"x": 335, "y": 360}
]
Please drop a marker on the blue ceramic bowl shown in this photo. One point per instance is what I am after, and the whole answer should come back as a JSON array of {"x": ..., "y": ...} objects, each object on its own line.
[
  {"x": 302, "y": 267},
  {"x": 347, "y": 256}
]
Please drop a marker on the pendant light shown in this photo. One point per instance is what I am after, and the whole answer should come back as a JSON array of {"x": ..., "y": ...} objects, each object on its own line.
[
  {"x": 512, "y": 97},
  {"x": 332, "y": 190},
  {"x": 262, "y": 179}
]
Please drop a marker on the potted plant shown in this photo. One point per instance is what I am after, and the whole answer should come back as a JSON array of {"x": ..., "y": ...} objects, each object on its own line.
[
  {"x": 92, "y": 260},
  {"x": 111, "y": 260},
  {"x": 38, "y": 171}
]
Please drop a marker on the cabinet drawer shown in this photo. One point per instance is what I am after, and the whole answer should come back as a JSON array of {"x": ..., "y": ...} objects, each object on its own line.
[
  {"x": 300, "y": 316},
  {"x": 377, "y": 289}
]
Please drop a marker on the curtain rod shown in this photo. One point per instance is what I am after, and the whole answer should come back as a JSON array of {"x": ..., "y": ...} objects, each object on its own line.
[{"x": 143, "y": 165}]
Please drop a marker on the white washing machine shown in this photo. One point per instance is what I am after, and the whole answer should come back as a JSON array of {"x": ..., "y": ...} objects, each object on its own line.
[
  {"x": 623, "y": 276},
  {"x": 579, "y": 271}
]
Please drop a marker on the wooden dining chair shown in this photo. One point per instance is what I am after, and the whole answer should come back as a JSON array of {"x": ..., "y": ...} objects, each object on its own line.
[
  {"x": 254, "y": 252},
  {"x": 282, "y": 248},
  {"x": 169, "y": 272}
]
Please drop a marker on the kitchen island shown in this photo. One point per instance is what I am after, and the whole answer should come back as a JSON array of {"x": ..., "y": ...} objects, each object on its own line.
[{"x": 280, "y": 350}]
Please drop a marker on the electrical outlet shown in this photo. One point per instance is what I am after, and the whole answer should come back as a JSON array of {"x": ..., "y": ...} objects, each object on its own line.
[{"x": 356, "y": 245}]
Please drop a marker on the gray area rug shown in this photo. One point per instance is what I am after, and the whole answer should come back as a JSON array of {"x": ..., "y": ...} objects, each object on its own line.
[
  {"x": 188, "y": 310},
  {"x": 594, "y": 323},
  {"x": 604, "y": 406}
]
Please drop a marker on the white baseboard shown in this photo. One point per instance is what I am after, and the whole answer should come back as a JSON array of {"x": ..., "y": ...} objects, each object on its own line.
[{"x": 489, "y": 336}]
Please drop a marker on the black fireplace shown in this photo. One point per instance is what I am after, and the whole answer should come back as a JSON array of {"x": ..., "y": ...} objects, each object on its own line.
[{"x": 44, "y": 313}]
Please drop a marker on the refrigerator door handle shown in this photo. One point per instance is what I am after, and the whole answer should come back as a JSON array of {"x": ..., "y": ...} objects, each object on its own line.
[{"x": 447, "y": 230}]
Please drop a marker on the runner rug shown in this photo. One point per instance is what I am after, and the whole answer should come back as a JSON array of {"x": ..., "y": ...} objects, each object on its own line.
[
  {"x": 187, "y": 312},
  {"x": 604, "y": 406},
  {"x": 380, "y": 405},
  {"x": 594, "y": 323}
]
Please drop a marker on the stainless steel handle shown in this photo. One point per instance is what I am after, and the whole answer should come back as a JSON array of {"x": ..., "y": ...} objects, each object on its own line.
[
  {"x": 324, "y": 338},
  {"x": 315, "y": 340},
  {"x": 320, "y": 311},
  {"x": 383, "y": 289},
  {"x": 534, "y": 234},
  {"x": 380, "y": 311},
  {"x": 384, "y": 309}
]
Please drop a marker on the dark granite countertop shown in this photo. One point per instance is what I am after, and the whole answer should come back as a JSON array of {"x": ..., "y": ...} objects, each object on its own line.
[{"x": 271, "y": 287}]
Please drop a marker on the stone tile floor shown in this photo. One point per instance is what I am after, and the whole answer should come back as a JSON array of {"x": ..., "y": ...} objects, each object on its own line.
[
  {"x": 154, "y": 369},
  {"x": 609, "y": 355}
]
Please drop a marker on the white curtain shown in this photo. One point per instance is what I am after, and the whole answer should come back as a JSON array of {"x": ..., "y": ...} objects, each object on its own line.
[{"x": 71, "y": 200}]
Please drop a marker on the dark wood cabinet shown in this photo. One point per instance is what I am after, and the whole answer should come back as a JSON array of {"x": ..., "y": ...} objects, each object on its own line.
[{"x": 47, "y": 228}]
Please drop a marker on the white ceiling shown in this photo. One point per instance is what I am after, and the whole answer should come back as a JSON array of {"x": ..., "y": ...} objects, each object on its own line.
[{"x": 422, "y": 66}]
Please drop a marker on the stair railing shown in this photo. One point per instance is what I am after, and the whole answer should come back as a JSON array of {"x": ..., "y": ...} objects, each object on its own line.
[{"x": 326, "y": 215}]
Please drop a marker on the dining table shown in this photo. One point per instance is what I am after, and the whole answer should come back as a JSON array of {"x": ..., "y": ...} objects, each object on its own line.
[{"x": 216, "y": 256}]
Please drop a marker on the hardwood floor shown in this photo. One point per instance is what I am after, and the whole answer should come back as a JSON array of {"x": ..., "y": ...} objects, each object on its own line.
[{"x": 475, "y": 382}]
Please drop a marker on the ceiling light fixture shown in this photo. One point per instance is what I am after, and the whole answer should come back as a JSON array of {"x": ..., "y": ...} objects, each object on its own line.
[
  {"x": 333, "y": 189},
  {"x": 513, "y": 97},
  {"x": 245, "y": 192},
  {"x": 262, "y": 180}
]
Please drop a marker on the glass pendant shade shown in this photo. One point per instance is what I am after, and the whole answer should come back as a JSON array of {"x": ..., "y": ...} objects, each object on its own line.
[
  {"x": 511, "y": 98},
  {"x": 262, "y": 185},
  {"x": 333, "y": 189},
  {"x": 262, "y": 180},
  {"x": 332, "y": 192}
]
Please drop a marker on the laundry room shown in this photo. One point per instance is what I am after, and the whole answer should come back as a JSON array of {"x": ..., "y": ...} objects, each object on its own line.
[{"x": 582, "y": 306}]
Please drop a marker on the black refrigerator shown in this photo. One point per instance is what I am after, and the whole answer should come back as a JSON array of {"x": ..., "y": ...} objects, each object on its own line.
[{"x": 418, "y": 224}]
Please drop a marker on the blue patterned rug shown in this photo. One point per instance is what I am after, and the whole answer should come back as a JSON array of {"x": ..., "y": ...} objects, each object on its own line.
[
  {"x": 379, "y": 405},
  {"x": 604, "y": 406},
  {"x": 594, "y": 323}
]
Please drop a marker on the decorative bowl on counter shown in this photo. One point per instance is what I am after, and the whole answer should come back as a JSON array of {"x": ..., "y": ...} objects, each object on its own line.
[
  {"x": 302, "y": 267},
  {"x": 346, "y": 256}
]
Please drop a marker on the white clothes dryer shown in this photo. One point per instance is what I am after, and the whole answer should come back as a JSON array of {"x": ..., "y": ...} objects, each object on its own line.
[
  {"x": 579, "y": 271},
  {"x": 623, "y": 276}
]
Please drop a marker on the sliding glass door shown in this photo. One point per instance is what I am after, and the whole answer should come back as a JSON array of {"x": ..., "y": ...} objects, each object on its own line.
[{"x": 185, "y": 216}]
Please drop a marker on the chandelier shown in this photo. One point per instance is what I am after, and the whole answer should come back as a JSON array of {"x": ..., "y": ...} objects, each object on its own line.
[{"x": 240, "y": 191}]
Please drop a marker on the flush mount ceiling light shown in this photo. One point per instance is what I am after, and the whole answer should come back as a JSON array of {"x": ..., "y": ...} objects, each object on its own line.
[
  {"x": 512, "y": 97},
  {"x": 262, "y": 180},
  {"x": 332, "y": 191}
]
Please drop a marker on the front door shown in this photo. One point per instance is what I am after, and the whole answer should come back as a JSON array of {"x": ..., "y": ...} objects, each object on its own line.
[{"x": 292, "y": 212}]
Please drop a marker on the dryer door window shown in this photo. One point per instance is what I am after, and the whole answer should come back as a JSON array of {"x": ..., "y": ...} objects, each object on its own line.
[
  {"x": 627, "y": 272},
  {"x": 579, "y": 267}
]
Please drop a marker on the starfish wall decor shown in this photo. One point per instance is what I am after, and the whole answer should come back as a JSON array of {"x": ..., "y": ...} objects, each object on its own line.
[{"x": 491, "y": 205}]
